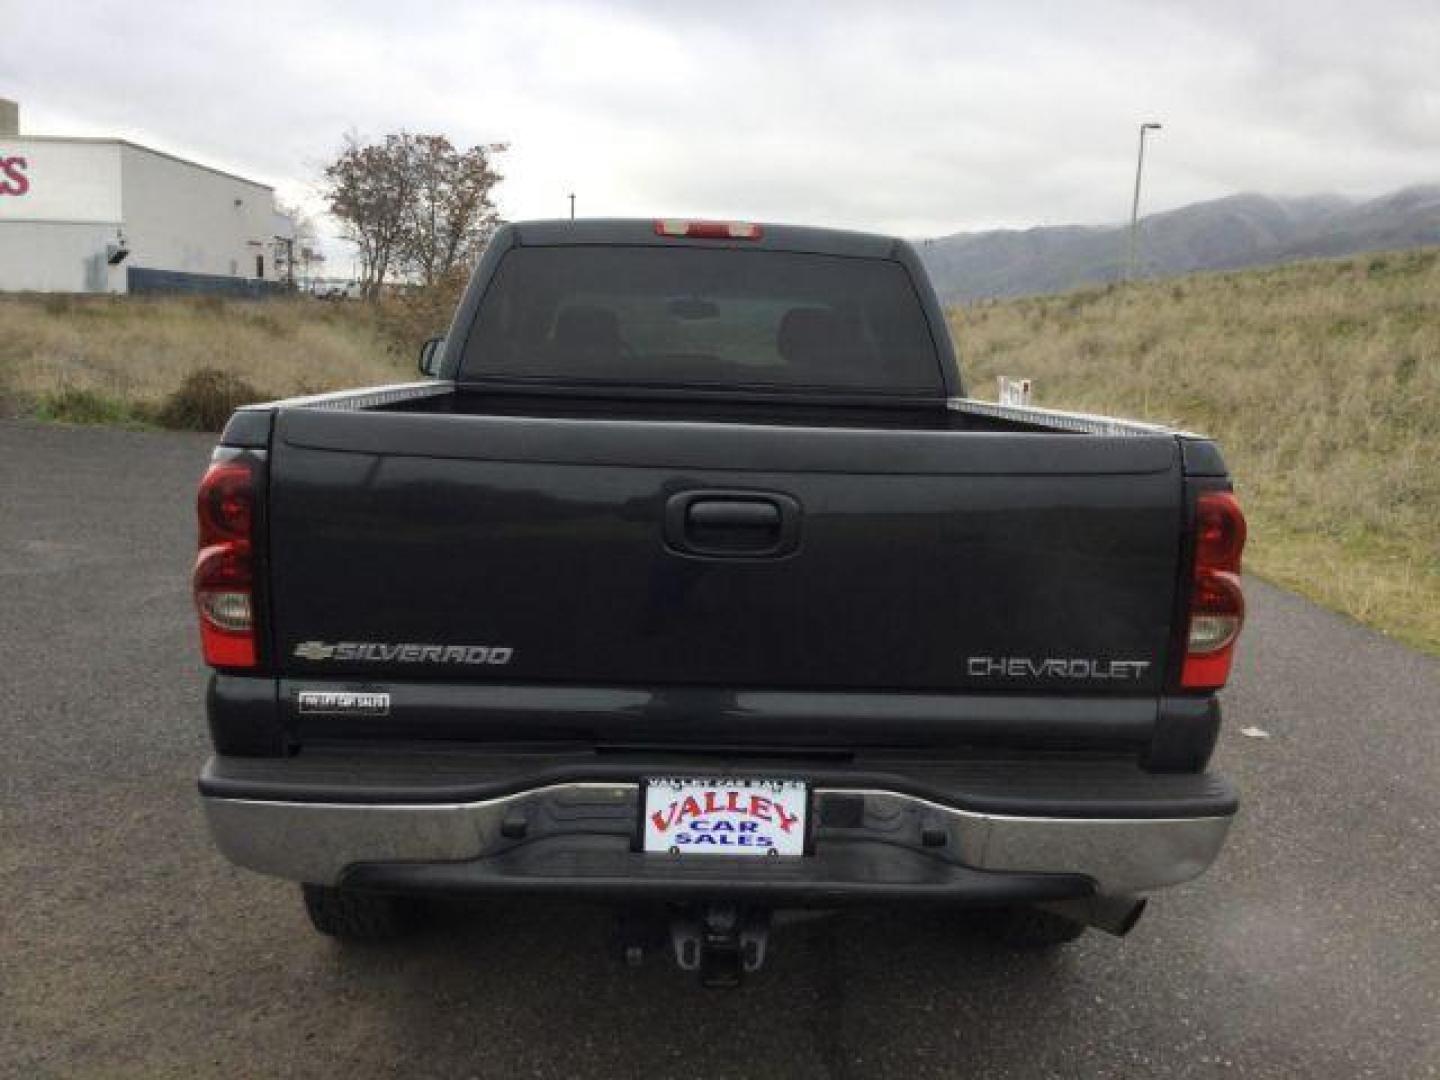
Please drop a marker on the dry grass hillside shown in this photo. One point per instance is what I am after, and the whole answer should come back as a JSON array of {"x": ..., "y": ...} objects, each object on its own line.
[
  {"x": 141, "y": 360},
  {"x": 1322, "y": 382}
]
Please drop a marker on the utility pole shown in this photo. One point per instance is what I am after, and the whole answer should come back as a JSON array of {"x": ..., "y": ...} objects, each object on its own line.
[
  {"x": 1149, "y": 125},
  {"x": 572, "y": 206}
]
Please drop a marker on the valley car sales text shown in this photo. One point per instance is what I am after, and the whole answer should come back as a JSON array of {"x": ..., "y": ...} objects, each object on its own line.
[{"x": 695, "y": 823}]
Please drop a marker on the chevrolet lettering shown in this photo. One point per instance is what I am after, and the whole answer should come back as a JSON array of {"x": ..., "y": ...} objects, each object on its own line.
[{"x": 1019, "y": 667}]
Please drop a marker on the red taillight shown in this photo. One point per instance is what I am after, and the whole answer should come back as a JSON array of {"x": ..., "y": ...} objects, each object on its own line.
[
  {"x": 224, "y": 580},
  {"x": 1217, "y": 605},
  {"x": 227, "y": 498},
  {"x": 709, "y": 230},
  {"x": 1219, "y": 531}
]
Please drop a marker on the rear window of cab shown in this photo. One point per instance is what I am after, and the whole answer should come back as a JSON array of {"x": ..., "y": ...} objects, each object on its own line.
[{"x": 651, "y": 315}]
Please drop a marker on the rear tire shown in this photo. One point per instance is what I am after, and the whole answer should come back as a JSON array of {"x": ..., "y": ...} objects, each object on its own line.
[
  {"x": 1028, "y": 929},
  {"x": 357, "y": 916}
]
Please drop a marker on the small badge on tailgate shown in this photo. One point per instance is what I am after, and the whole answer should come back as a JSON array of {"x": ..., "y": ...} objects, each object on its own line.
[{"x": 343, "y": 703}]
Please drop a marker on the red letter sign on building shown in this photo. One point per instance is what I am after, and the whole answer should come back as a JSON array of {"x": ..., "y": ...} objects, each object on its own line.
[{"x": 13, "y": 180}]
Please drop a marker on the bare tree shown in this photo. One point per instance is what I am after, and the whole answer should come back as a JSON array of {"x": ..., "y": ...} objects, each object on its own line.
[
  {"x": 452, "y": 215},
  {"x": 371, "y": 192},
  {"x": 297, "y": 249},
  {"x": 302, "y": 223},
  {"x": 413, "y": 204}
]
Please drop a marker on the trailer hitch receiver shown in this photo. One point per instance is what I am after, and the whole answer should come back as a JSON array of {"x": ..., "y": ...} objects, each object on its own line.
[{"x": 720, "y": 942}]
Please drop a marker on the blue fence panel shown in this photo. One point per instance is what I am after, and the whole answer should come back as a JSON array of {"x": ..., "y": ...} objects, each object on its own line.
[{"x": 143, "y": 280}]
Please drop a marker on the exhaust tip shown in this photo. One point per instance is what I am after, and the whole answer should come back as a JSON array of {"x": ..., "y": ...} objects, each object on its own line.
[
  {"x": 1128, "y": 921},
  {"x": 1114, "y": 914}
]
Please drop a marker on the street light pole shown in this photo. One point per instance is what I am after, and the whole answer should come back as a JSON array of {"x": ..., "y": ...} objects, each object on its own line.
[
  {"x": 572, "y": 206},
  {"x": 1149, "y": 125}
]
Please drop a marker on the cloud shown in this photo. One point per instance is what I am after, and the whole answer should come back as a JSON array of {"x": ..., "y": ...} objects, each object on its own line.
[{"x": 919, "y": 118}]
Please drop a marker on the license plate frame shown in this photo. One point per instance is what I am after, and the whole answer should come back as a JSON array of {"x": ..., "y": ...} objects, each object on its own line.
[{"x": 746, "y": 817}]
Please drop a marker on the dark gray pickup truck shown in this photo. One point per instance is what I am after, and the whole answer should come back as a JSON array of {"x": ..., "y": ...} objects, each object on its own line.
[{"x": 693, "y": 581}]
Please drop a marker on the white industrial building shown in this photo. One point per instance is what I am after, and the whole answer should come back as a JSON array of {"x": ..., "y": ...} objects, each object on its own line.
[{"x": 105, "y": 215}]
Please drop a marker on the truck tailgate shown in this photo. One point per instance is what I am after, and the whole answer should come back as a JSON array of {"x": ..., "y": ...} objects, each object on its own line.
[{"x": 652, "y": 553}]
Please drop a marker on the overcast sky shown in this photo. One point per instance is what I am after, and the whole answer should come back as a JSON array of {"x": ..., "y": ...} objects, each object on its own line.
[{"x": 909, "y": 117}]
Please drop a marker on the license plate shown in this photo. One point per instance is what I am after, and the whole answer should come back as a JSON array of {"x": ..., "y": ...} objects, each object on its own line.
[{"x": 704, "y": 816}]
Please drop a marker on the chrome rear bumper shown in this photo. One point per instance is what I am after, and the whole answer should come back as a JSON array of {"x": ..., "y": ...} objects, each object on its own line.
[{"x": 589, "y": 825}]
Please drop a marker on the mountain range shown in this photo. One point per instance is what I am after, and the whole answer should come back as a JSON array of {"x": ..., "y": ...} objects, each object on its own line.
[{"x": 1222, "y": 234}]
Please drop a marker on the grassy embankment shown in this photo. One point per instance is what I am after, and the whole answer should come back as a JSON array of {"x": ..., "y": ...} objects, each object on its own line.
[
  {"x": 1320, "y": 380},
  {"x": 179, "y": 362}
]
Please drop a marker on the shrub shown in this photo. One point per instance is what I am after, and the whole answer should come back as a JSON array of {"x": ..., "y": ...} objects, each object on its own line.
[{"x": 205, "y": 400}]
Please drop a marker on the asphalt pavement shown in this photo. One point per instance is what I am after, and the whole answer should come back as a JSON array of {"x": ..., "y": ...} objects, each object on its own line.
[{"x": 128, "y": 948}]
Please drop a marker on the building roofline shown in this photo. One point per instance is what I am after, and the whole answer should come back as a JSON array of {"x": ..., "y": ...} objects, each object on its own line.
[{"x": 98, "y": 140}]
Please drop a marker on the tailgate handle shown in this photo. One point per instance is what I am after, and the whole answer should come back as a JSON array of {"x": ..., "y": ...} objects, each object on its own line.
[
  {"x": 721, "y": 514},
  {"x": 732, "y": 524}
]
